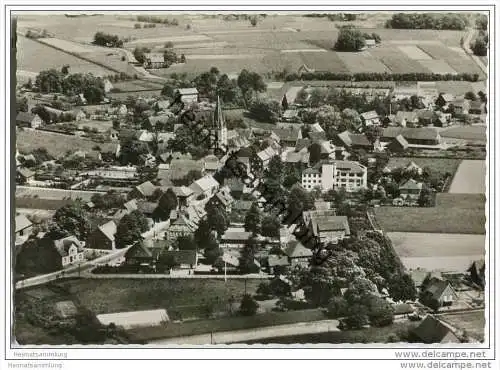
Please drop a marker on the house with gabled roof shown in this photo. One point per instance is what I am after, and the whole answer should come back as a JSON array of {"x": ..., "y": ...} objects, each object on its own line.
[
  {"x": 181, "y": 226},
  {"x": 353, "y": 141},
  {"x": 187, "y": 95},
  {"x": 142, "y": 191},
  {"x": 153, "y": 60},
  {"x": 206, "y": 186},
  {"x": 223, "y": 199},
  {"x": 70, "y": 249},
  {"x": 297, "y": 254},
  {"x": 24, "y": 175},
  {"x": 23, "y": 229},
  {"x": 370, "y": 118},
  {"x": 235, "y": 238},
  {"x": 477, "y": 272},
  {"x": 406, "y": 119},
  {"x": 397, "y": 145},
  {"x": 103, "y": 237},
  {"x": 25, "y": 119},
  {"x": 442, "y": 291},
  {"x": 432, "y": 330},
  {"x": 287, "y": 136},
  {"x": 417, "y": 136},
  {"x": 410, "y": 190},
  {"x": 330, "y": 229}
]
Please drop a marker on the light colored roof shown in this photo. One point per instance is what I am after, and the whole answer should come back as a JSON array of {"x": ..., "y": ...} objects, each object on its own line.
[
  {"x": 236, "y": 235},
  {"x": 188, "y": 91},
  {"x": 207, "y": 182},
  {"x": 316, "y": 128},
  {"x": 63, "y": 245},
  {"x": 25, "y": 117},
  {"x": 231, "y": 259},
  {"x": 424, "y": 133},
  {"x": 131, "y": 205},
  {"x": 369, "y": 115},
  {"x": 274, "y": 260},
  {"x": 109, "y": 230},
  {"x": 332, "y": 223},
  {"x": 182, "y": 191},
  {"x": 135, "y": 319},
  {"x": 22, "y": 223},
  {"x": 154, "y": 58},
  {"x": 146, "y": 188},
  {"x": 266, "y": 154}
]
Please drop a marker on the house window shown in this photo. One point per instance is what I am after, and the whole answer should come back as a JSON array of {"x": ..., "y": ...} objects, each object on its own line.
[{"x": 21, "y": 233}]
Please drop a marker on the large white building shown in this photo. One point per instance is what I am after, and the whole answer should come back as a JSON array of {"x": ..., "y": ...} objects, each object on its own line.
[{"x": 349, "y": 175}]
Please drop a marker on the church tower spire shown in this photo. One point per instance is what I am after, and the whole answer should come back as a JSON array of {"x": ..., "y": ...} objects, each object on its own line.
[{"x": 220, "y": 125}]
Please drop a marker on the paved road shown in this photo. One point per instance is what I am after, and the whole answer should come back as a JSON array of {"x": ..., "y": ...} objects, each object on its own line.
[
  {"x": 254, "y": 333},
  {"x": 89, "y": 275}
]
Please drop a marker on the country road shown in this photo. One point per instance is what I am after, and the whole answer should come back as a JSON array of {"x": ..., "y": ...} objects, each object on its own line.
[
  {"x": 466, "y": 46},
  {"x": 254, "y": 333}
]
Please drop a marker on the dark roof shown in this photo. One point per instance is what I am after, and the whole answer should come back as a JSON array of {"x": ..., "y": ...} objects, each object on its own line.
[
  {"x": 350, "y": 139},
  {"x": 274, "y": 260},
  {"x": 401, "y": 141},
  {"x": 302, "y": 143},
  {"x": 425, "y": 133},
  {"x": 432, "y": 330},
  {"x": 138, "y": 250},
  {"x": 286, "y": 134},
  {"x": 25, "y": 172},
  {"x": 411, "y": 185},
  {"x": 295, "y": 249},
  {"x": 183, "y": 257},
  {"x": 437, "y": 287}
]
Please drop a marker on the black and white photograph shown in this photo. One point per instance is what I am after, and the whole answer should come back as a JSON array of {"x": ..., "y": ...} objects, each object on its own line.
[{"x": 251, "y": 178}]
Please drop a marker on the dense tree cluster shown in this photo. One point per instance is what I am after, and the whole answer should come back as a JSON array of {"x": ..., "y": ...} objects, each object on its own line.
[
  {"x": 155, "y": 19},
  {"x": 71, "y": 219},
  {"x": 105, "y": 39},
  {"x": 435, "y": 21},
  {"x": 54, "y": 81},
  {"x": 350, "y": 39},
  {"x": 265, "y": 110},
  {"x": 480, "y": 45},
  {"x": 130, "y": 228},
  {"x": 139, "y": 53}
]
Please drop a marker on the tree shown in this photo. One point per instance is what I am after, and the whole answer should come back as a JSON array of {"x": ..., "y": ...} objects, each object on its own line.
[
  {"x": 247, "y": 257},
  {"x": 402, "y": 288},
  {"x": 139, "y": 53},
  {"x": 284, "y": 103},
  {"x": 203, "y": 232},
  {"x": 271, "y": 226},
  {"x": 227, "y": 89},
  {"x": 170, "y": 57},
  {"x": 265, "y": 110},
  {"x": 253, "y": 219},
  {"x": 211, "y": 251},
  {"x": 279, "y": 288},
  {"x": 470, "y": 95},
  {"x": 104, "y": 39},
  {"x": 319, "y": 285},
  {"x": 349, "y": 40},
  {"x": 167, "y": 261},
  {"x": 357, "y": 316},
  {"x": 249, "y": 84},
  {"x": 110, "y": 200},
  {"x": 380, "y": 312},
  {"x": 427, "y": 299},
  {"x": 299, "y": 200},
  {"x": 65, "y": 69},
  {"x": 49, "y": 81},
  {"x": 73, "y": 219},
  {"x": 185, "y": 243},
  {"x": 480, "y": 47},
  {"x": 218, "y": 219},
  {"x": 167, "y": 202},
  {"x": 253, "y": 21},
  {"x": 426, "y": 198},
  {"x": 248, "y": 305},
  {"x": 314, "y": 153},
  {"x": 275, "y": 169},
  {"x": 130, "y": 228},
  {"x": 337, "y": 307},
  {"x": 359, "y": 290}
]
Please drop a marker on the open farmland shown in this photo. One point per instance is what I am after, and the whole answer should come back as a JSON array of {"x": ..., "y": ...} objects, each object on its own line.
[
  {"x": 453, "y": 213},
  {"x": 414, "y": 52},
  {"x": 406, "y": 37},
  {"x": 440, "y": 51},
  {"x": 56, "y": 144},
  {"x": 476, "y": 132},
  {"x": 440, "y": 165},
  {"x": 362, "y": 62},
  {"x": 470, "y": 178},
  {"x": 33, "y": 56},
  {"x": 438, "y": 66},
  {"x": 431, "y": 251},
  {"x": 397, "y": 61}
]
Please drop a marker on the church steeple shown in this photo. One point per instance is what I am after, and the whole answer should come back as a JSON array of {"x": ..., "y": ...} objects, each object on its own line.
[{"x": 220, "y": 125}]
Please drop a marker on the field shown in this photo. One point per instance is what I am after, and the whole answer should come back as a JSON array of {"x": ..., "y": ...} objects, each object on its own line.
[
  {"x": 440, "y": 165},
  {"x": 472, "y": 322},
  {"x": 466, "y": 133},
  {"x": 181, "y": 298},
  {"x": 277, "y": 42},
  {"x": 470, "y": 178},
  {"x": 368, "y": 335},
  {"x": 56, "y": 144},
  {"x": 453, "y": 213},
  {"x": 35, "y": 57},
  {"x": 430, "y": 251}
]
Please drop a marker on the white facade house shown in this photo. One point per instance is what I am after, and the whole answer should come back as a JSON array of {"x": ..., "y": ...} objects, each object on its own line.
[{"x": 349, "y": 175}]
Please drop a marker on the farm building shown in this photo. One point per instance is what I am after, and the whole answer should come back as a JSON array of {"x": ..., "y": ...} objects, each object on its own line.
[
  {"x": 24, "y": 175},
  {"x": 433, "y": 330},
  {"x": 187, "y": 95},
  {"x": 406, "y": 119},
  {"x": 397, "y": 145},
  {"x": 23, "y": 228},
  {"x": 135, "y": 319},
  {"x": 206, "y": 186},
  {"x": 181, "y": 226},
  {"x": 418, "y": 136},
  {"x": 235, "y": 238},
  {"x": 24, "y": 119},
  {"x": 103, "y": 237},
  {"x": 297, "y": 254},
  {"x": 331, "y": 229},
  {"x": 442, "y": 291},
  {"x": 153, "y": 61},
  {"x": 261, "y": 159},
  {"x": 370, "y": 118},
  {"x": 353, "y": 141}
]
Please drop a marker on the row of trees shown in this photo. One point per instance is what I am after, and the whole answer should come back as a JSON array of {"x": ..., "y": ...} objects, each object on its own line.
[
  {"x": 155, "y": 19},
  {"x": 54, "y": 81},
  {"x": 365, "y": 76},
  {"x": 480, "y": 45},
  {"x": 435, "y": 21}
]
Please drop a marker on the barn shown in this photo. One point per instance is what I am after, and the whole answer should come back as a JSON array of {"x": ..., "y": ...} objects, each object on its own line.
[{"x": 135, "y": 319}]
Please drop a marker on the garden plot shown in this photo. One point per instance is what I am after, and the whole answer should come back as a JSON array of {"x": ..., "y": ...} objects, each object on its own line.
[
  {"x": 362, "y": 63},
  {"x": 438, "y": 66},
  {"x": 470, "y": 178},
  {"x": 329, "y": 61},
  {"x": 414, "y": 52},
  {"x": 464, "y": 65},
  {"x": 408, "y": 37}
]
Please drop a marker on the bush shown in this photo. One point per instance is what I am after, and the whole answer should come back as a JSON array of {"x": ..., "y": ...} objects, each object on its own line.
[
  {"x": 248, "y": 306},
  {"x": 137, "y": 25}
]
